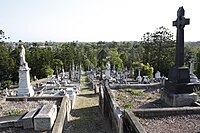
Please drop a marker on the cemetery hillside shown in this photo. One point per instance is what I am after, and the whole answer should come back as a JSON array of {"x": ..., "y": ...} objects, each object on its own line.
[
  {"x": 147, "y": 86},
  {"x": 156, "y": 50}
]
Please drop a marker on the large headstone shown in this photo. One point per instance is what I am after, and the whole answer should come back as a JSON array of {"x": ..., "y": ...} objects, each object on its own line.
[
  {"x": 178, "y": 87},
  {"x": 25, "y": 87}
]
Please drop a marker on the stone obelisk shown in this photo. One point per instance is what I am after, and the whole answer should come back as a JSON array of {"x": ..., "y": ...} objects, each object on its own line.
[{"x": 25, "y": 87}]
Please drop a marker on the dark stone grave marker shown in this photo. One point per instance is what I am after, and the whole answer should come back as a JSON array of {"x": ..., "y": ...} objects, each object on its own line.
[{"x": 178, "y": 87}]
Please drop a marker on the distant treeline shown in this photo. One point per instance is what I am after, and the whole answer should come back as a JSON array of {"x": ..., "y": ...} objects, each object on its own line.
[{"x": 156, "y": 50}]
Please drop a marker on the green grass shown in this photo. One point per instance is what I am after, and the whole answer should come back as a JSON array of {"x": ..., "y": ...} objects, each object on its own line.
[
  {"x": 135, "y": 92},
  {"x": 120, "y": 96},
  {"x": 151, "y": 97},
  {"x": 14, "y": 112},
  {"x": 197, "y": 91},
  {"x": 127, "y": 105}
]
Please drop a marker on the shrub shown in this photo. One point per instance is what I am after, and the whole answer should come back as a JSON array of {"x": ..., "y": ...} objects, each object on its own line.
[
  {"x": 135, "y": 92},
  {"x": 127, "y": 105}
]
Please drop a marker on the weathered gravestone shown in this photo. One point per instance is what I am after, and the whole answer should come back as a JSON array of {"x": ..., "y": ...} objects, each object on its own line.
[
  {"x": 157, "y": 75},
  {"x": 107, "y": 72},
  {"x": 178, "y": 90},
  {"x": 193, "y": 77},
  {"x": 139, "y": 78}
]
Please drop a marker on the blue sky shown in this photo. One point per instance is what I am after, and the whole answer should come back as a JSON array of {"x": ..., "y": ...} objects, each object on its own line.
[{"x": 93, "y": 20}]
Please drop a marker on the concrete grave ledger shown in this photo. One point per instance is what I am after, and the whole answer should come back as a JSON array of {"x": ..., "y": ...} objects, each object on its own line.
[
  {"x": 46, "y": 117},
  {"x": 28, "y": 119}
]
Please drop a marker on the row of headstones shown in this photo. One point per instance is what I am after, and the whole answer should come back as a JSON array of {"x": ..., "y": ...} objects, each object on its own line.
[
  {"x": 121, "y": 77},
  {"x": 75, "y": 73}
]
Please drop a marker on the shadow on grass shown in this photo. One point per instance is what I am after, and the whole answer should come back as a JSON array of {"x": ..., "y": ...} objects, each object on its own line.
[
  {"x": 157, "y": 103},
  {"x": 88, "y": 95},
  {"x": 89, "y": 120},
  {"x": 86, "y": 88}
]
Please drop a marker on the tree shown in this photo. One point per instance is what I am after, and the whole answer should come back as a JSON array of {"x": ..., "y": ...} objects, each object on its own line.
[
  {"x": 159, "y": 49},
  {"x": 47, "y": 71},
  {"x": 115, "y": 58},
  {"x": 147, "y": 70},
  {"x": 101, "y": 58},
  {"x": 7, "y": 64},
  {"x": 57, "y": 65},
  {"x": 87, "y": 64},
  {"x": 125, "y": 59},
  {"x": 101, "y": 55}
]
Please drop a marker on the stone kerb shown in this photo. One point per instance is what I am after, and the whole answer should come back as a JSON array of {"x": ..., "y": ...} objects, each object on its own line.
[
  {"x": 135, "y": 86},
  {"x": 131, "y": 123},
  {"x": 44, "y": 120},
  {"x": 63, "y": 111},
  {"x": 163, "y": 112},
  {"x": 111, "y": 110}
]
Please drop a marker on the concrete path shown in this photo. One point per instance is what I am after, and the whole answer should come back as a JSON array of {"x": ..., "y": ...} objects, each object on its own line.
[{"x": 86, "y": 117}]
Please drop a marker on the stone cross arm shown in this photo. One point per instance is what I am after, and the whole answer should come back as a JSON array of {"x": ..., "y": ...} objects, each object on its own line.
[{"x": 181, "y": 21}]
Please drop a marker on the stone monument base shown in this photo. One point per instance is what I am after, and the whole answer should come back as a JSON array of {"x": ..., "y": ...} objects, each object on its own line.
[
  {"x": 193, "y": 78},
  {"x": 25, "y": 91},
  {"x": 178, "y": 100}
]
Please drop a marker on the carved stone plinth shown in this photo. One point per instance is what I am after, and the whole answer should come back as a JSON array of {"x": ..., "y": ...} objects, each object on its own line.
[
  {"x": 25, "y": 87},
  {"x": 179, "y": 75},
  {"x": 180, "y": 88}
]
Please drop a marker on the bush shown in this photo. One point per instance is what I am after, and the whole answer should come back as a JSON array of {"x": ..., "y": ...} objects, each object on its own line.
[
  {"x": 147, "y": 70},
  {"x": 127, "y": 105},
  {"x": 135, "y": 92},
  {"x": 6, "y": 84}
]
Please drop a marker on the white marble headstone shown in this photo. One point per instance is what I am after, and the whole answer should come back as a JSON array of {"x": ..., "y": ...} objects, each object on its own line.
[{"x": 25, "y": 87}]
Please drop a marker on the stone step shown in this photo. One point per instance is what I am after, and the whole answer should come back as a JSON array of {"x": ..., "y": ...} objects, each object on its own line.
[{"x": 45, "y": 119}]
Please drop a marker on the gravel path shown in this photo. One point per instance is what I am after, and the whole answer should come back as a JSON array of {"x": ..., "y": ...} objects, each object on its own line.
[{"x": 86, "y": 117}]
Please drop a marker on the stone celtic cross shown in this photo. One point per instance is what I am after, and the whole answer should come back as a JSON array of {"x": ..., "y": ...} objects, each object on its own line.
[{"x": 180, "y": 23}]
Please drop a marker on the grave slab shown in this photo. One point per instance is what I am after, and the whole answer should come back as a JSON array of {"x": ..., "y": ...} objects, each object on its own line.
[
  {"x": 27, "y": 120},
  {"x": 44, "y": 120},
  {"x": 10, "y": 121}
]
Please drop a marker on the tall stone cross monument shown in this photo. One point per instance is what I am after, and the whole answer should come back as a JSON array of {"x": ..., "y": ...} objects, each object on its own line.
[
  {"x": 180, "y": 23},
  {"x": 25, "y": 87},
  {"x": 179, "y": 73},
  {"x": 178, "y": 90}
]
